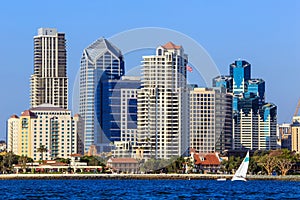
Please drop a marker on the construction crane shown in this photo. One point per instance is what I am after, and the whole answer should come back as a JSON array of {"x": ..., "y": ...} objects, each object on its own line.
[{"x": 297, "y": 108}]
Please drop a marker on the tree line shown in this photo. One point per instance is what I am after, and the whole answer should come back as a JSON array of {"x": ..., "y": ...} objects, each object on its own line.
[{"x": 270, "y": 162}]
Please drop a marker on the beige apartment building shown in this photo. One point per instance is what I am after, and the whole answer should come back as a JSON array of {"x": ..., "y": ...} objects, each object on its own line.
[
  {"x": 163, "y": 129},
  {"x": 296, "y": 134},
  {"x": 47, "y": 125}
]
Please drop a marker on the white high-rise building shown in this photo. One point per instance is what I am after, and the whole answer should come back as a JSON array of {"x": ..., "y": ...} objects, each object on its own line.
[
  {"x": 12, "y": 133},
  {"x": 163, "y": 108},
  {"x": 49, "y": 82}
]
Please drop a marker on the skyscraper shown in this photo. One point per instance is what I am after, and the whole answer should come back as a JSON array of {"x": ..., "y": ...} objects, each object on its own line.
[
  {"x": 49, "y": 82},
  {"x": 295, "y": 139},
  {"x": 163, "y": 129},
  {"x": 223, "y": 81},
  {"x": 254, "y": 120},
  {"x": 210, "y": 120},
  {"x": 240, "y": 71},
  {"x": 101, "y": 64}
]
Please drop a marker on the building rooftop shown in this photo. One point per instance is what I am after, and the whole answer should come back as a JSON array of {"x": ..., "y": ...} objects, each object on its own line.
[
  {"x": 171, "y": 45},
  {"x": 28, "y": 113},
  {"x": 14, "y": 116},
  {"x": 100, "y": 47},
  {"x": 122, "y": 160},
  {"x": 207, "y": 159},
  {"x": 47, "y": 107}
]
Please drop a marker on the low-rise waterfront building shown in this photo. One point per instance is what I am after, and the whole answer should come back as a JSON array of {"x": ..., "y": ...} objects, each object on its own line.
[{"x": 126, "y": 165}]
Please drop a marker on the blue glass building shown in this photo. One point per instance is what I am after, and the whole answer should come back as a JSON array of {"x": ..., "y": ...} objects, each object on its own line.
[
  {"x": 240, "y": 71},
  {"x": 223, "y": 81},
  {"x": 255, "y": 120},
  {"x": 101, "y": 63},
  {"x": 257, "y": 87},
  {"x": 112, "y": 113}
]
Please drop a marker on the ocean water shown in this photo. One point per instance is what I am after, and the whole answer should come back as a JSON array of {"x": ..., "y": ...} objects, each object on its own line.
[{"x": 147, "y": 189}]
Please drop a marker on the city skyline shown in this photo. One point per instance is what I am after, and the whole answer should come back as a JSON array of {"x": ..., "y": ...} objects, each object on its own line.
[{"x": 269, "y": 41}]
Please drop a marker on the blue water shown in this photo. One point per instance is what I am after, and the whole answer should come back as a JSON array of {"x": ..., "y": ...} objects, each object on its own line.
[{"x": 147, "y": 189}]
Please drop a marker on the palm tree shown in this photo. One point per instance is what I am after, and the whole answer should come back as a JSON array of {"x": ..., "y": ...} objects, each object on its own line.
[
  {"x": 8, "y": 161},
  {"x": 42, "y": 149},
  {"x": 22, "y": 161}
]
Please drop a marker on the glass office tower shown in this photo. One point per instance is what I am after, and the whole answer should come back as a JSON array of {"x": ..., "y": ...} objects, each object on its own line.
[{"x": 101, "y": 63}]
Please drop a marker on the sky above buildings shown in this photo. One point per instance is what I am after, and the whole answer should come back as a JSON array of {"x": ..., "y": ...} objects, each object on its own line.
[{"x": 265, "y": 33}]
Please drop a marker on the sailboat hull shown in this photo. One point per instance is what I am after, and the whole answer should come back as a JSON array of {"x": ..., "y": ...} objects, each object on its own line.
[{"x": 238, "y": 179}]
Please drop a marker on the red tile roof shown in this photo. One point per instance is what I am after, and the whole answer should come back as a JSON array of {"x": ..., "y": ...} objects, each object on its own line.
[
  {"x": 27, "y": 113},
  {"x": 14, "y": 116},
  {"x": 123, "y": 160},
  {"x": 76, "y": 115},
  {"x": 209, "y": 159},
  {"x": 171, "y": 45},
  {"x": 76, "y": 155}
]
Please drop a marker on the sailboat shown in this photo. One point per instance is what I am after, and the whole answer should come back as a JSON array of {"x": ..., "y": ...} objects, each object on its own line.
[{"x": 240, "y": 174}]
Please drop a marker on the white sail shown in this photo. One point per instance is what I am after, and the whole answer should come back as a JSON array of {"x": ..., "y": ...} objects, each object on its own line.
[{"x": 241, "y": 173}]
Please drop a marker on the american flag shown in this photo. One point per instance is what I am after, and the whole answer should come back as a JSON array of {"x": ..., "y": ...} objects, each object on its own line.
[{"x": 189, "y": 68}]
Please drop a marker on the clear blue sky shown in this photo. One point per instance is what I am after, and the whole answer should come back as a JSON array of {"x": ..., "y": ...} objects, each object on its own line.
[{"x": 265, "y": 33}]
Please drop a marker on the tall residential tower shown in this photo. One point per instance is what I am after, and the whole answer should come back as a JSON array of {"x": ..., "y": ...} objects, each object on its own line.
[
  {"x": 163, "y": 129},
  {"x": 49, "y": 82}
]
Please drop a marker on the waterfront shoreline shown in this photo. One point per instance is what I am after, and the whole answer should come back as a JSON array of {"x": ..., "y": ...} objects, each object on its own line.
[{"x": 139, "y": 177}]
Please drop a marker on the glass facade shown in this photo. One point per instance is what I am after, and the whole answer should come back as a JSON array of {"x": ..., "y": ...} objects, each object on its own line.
[
  {"x": 257, "y": 87},
  {"x": 223, "y": 81},
  {"x": 101, "y": 62},
  {"x": 254, "y": 120},
  {"x": 240, "y": 71}
]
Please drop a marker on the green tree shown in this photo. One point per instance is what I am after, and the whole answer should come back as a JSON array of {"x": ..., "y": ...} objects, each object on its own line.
[
  {"x": 285, "y": 161},
  {"x": 63, "y": 160},
  {"x": 42, "y": 149},
  {"x": 232, "y": 164},
  {"x": 8, "y": 160},
  {"x": 93, "y": 160},
  {"x": 22, "y": 161},
  {"x": 268, "y": 162}
]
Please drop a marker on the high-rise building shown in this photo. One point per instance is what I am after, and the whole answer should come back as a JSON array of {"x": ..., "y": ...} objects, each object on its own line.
[
  {"x": 101, "y": 65},
  {"x": 240, "y": 71},
  {"x": 210, "y": 120},
  {"x": 47, "y": 125},
  {"x": 49, "y": 82},
  {"x": 295, "y": 139},
  {"x": 267, "y": 133},
  {"x": 125, "y": 112},
  {"x": 163, "y": 105},
  {"x": 296, "y": 136},
  {"x": 257, "y": 87},
  {"x": 12, "y": 133},
  {"x": 284, "y": 133},
  {"x": 254, "y": 120},
  {"x": 223, "y": 81}
]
